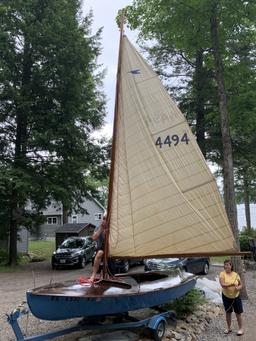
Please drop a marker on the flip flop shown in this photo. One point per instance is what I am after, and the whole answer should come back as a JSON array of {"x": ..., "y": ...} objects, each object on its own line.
[
  {"x": 84, "y": 281},
  {"x": 227, "y": 331},
  {"x": 240, "y": 333}
]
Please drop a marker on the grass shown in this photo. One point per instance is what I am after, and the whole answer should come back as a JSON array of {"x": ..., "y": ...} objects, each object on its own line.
[
  {"x": 5, "y": 269},
  {"x": 218, "y": 260},
  {"x": 42, "y": 249},
  {"x": 22, "y": 259}
]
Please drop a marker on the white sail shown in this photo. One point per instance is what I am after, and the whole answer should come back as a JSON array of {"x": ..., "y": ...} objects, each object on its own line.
[{"x": 165, "y": 200}]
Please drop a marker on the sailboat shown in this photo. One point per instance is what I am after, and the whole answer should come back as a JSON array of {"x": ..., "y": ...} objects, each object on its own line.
[{"x": 163, "y": 202}]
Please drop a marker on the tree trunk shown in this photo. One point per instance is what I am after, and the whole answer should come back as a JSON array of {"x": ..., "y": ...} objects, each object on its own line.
[
  {"x": 13, "y": 259},
  {"x": 18, "y": 199},
  {"x": 247, "y": 205},
  {"x": 229, "y": 189},
  {"x": 199, "y": 101},
  {"x": 65, "y": 214},
  {"x": 13, "y": 235}
]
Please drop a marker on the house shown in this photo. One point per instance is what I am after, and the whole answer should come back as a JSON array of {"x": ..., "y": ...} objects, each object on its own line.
[
  {"x": 22, "y": 242},
  {"x": 73, "y": 230},
  {"x": 54, "y": 217}
]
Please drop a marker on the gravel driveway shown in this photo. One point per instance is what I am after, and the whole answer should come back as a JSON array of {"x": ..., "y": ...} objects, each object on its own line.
[
  {"x": 13, "y": 287},
  {"x": 215, "y": 331}
]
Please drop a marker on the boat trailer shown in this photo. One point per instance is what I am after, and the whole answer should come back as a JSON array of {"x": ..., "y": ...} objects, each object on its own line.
[{"x": 156, "y": 324}]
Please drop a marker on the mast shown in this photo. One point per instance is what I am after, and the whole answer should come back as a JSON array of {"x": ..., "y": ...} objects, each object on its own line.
[{"x": 113, "y": 151}]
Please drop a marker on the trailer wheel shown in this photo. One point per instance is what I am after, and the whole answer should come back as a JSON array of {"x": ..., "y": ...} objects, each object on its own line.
[{"x": 159, "y": 331}]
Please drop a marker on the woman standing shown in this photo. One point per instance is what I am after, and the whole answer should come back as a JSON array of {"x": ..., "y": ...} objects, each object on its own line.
[{"x": 231, "y": 285}]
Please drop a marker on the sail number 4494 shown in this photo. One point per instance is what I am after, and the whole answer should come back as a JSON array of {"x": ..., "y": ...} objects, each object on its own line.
[{"x": 172, "y": 140}]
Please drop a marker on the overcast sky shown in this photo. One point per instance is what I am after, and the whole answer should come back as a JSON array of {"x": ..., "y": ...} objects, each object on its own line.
[{"x": 105, "y": 12}]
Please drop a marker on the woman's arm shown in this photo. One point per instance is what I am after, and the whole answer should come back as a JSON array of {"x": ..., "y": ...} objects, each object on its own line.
[
  {"x": 225, "y": 285},
  {"x": 97, "y": 233},
  {"x": 239, "y": 286}
]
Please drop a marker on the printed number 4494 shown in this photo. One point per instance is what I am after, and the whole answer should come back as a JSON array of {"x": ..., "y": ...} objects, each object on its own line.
[{"x": 172, "y": 140}]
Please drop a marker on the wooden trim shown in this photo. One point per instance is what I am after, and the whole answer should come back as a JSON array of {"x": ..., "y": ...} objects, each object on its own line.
[
  {"x": 179, "y": 255},
  {"x": 113, "y": 152}
]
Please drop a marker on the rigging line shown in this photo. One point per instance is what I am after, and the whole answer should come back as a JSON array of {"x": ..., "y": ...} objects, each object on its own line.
[{"x": 160, "y": 157}]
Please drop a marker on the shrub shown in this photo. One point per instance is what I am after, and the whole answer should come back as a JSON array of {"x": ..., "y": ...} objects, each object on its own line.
[
  {"x": 186, "y": 304},
  {"x": 244, "y": 243},
  {"x": 249, "y": 233},
  {"x": 3, "y": 256},
  {"x": 244, "y": 237}
]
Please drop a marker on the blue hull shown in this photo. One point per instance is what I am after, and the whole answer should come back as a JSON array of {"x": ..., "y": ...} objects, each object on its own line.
[{"x": 96, "y": 301}]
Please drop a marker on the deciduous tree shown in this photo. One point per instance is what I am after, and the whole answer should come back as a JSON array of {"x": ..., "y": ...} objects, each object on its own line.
[{"x": 215, "y": 28}]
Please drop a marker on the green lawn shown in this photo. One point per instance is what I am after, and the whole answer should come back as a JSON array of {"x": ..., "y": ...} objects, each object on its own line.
[
  {"x": 218, "y": 260},
  {"x": 42, "y": 248}
]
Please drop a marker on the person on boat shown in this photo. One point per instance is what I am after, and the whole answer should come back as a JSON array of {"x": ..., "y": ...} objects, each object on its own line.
[
  {"x": 99, "y": 236},
  {"x": 231, "y": 285}
]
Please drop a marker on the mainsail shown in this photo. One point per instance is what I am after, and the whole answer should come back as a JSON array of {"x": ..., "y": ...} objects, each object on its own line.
[{"x": 164, "y": 199}]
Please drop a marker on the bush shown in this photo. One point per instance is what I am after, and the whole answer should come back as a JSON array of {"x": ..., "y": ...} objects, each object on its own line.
[
  {"x": 3, "y": 256},
  {"x": 244, "y": 243},
  {"x": 186, "y": 304},
  {"x": 244, "y": 239}
]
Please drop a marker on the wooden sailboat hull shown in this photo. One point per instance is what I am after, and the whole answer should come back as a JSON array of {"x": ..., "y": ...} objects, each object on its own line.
[{"x": 70, "y": 299}]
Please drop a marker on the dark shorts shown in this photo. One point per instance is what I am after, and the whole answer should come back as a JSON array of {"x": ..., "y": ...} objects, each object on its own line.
[
  {"x": 100, "y": 248},
  {"x": 100, "y": 244},
  {"x": 232, "y": 304}
]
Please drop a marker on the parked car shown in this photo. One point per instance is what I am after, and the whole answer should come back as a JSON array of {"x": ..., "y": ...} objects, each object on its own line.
[
  {"x": 194, "y": 265},
  {"x": 123, "y": 265},
  {"x": 116, "y": 266},
  {"x": 74, "y": 251}
]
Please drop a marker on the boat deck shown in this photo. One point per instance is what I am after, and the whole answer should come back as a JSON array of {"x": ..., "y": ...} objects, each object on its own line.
[{"x": 123, "y": 285}]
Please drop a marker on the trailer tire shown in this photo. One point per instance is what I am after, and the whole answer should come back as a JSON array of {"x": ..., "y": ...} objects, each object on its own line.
[{"x": 159, "y": 331}]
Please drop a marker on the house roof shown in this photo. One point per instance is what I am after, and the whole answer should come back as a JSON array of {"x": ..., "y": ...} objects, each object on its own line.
[
  {"x": 74, "y": 227},
  {"x": 97, "y": 202}
]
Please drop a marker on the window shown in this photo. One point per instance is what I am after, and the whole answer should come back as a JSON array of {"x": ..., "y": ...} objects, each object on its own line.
[
  {"x": 98, "y": 216},
  {"x": 52, "y": 220},
  {"x": 74, "y": 219}
]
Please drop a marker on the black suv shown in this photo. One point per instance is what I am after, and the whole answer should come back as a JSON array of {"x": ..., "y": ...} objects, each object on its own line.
[
  {"x": 195, "y": 265},
  {"x": 123, "y": 265},
  {"x": 74, "y": 251}
]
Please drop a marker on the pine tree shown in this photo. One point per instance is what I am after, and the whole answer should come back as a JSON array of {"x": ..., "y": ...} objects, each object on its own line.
[{"x": 50, "y": 101}]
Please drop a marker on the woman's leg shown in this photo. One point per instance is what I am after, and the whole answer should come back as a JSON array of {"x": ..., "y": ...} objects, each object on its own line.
[
  {"x": 96, "y": 264},
  {"x": 240, "y": 323},
  {"x": 238, "y": 308},
  {"x": 228, "y": 320}
]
